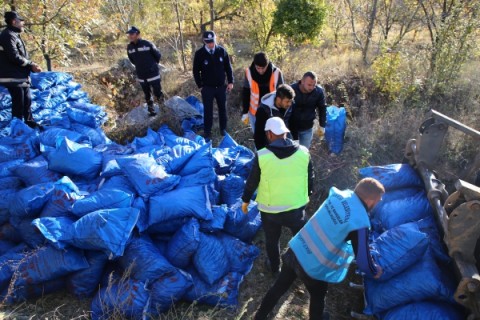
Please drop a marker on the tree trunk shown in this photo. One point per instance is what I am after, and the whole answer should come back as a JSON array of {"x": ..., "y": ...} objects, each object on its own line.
[
  {"x": 182, "y": 47},
  {"x": 212, "y": 15},
  {"x": 373, "y": 16}
]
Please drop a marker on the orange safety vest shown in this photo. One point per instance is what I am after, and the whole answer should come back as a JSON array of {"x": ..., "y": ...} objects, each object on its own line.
[{"x": 255, "y": 88}]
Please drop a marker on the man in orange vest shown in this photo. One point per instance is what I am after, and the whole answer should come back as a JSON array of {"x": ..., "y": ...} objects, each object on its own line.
[{"x": 261, "y": 77}]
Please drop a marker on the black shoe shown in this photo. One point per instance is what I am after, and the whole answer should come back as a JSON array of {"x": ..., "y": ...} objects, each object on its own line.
[
  {"x": 223, "y": 132},
  {"x": 151, "y": 110},
  {"x": 32, "y": 124},
  {"x": 207, "y": 137}
]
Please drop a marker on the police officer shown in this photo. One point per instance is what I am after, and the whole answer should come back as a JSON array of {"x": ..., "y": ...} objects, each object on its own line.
[
  {"x": 321, "y": 252},
  {"x": 210, "y": 66},
  {"x": 145, "y": 56},
  {"x": 283, "y": 173},
  {"x": 15, "y": 68}
]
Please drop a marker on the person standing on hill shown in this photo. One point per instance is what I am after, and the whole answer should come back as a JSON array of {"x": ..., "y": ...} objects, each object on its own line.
[
  {"x": 274, "y": 104},
  {"x": 146, "y": 56},
  {"x": 15, "y": 68},
  {"x": 321, "y": 252},
  {"x": 211, "y": 65},
  {"x": 309, "y": 101},
  {"x": 283, "y": 174},
  {"x": 261, "y": 78}
]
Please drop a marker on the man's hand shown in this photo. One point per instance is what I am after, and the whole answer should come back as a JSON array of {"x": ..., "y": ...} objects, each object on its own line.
[
  {"x": 379, "y": 272},
  {"x": 35, "y": 67},
  {"x": 321, "y": 132},
  {"x": 245, "y": 207},
  {"x": 245, "y": 119},
  {"x": 229, "y": 87}
]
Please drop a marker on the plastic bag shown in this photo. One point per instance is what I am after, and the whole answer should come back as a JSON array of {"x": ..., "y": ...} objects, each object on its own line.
[
  {"x": 203, "y": 177},
  {"x": 425, "y": 310},
  {"x": 335, "y": 128},
  {"x": 210, "y": 259},
  {"x": 11, "y": 183},
  {"x": 218, "y": 221},
  {"x": 45, "y": 80},
  {"x": 200, "y": 160},
  {"x": 75, "y": 159},
  {"x": 85, "y": 282},
  {"x": 147, "y": 176},
  {"x": 183, "y": 244},
  {"x": 29, "y": 234},
  {"x": 181, "y": 108},
  {"x": 51, "y": 135},
  {"x": 102, "y": 199},
  {"x": 152, "y": 138},
  {"x": 423, "y": 280},
  {"x": 128, "y": 299},
  {"x": 28, "y": 202},
  {"x": 179, "y": 203},
  {"x": 64, "y": 194},
  {"x": 96, "y": 136},
  {"x": 35, "y": 171},
  {"x": 398, "y": 248},
  {"x": 231, "y": 189},
  {"x": 167, "y": 290},
  {"x": 243, "y": 226},
  {"x": 393, "y": 176},
  {"x": 33, "y": 291},
  {"x": 144, "y": 260},
  {"x": 240, "y": 255}
]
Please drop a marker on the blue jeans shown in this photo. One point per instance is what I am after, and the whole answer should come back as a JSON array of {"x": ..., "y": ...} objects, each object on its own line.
[{"x": 305, "y": 137}]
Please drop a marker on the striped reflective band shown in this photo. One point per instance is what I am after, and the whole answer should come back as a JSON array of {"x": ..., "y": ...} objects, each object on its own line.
[
  {"x": 13, "y": 80},
  {"x": 149, "y": 79},
  {"x": 25, "y": 63},
  {"x": 326, "y": 241},
  {"x": 145, "y": 48},
  {"x": 267, "y": 208},
  {"x": 1, "y": 48}
]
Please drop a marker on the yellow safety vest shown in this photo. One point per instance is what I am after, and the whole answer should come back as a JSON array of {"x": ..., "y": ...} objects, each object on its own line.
[
  {"x": 283, "y": 182},
  {"x": 255, "y": 88}
]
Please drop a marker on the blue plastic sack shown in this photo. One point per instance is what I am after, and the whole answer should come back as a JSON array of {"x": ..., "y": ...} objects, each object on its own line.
[
  {"x": 424, "y": 310},
  {"x": 48, "y": 263},
  {"x": 75, "y": 159},
  {"x": 224, "y": 160},
  {"x": 6, "y": 197},
  {"x": 398, "y": 248},
  {"x": 175, "y": 158},
  {"x": 168, "y": 227},
  {"x": 393, "y": 176},
  {"x": 5, "y": 246},
  {"x": 64, "y": 194},
  {"x": 50, "y": 136},
  {"x": 243, "y": 226},
  {"x": 227, "y": 142},
  {"x": 243, "y": 163},
  {"x": 435, "y": 243},
  {"x": 82, "y": 117},
  {"x": 183, "y": 244},
  {"x": 179, "y": 203},
  {"x": 23, "y": 293},
  {"x": 128, "y": 299},
  {"x": 152, "y": 138},
  {"x": 335, "y": 128},
  {"x": 28, "y": 202},
  {"x": 102, "y": 199},
  {"x": 5, "y": 167},
  {"x": 240, "y": 255},
  {"x": 200, "y": 160},
  {"x": 210, "y": 259},
  {"x": 144, "y": 260},
  {"x": 147, "y": 176},
  {"x": 167, "y": 290},
  {"x": 218, "y": 221},
  {"x": 223, "y": 293},
  {"x": 8, "y": 232},
  {"x": 118, "y": 182},
  {"x": 400, "y": 211},
  {"x": 45, "y": 80},
  {"x": 103, "y": 230},
  {"x": 9, "y": 263},
  {"x": 29, "y": 234},
  {"x": 95, "y": 135},
  {"x": 11, "y": 183},
  {"x": 203, "y": 177},
  {"x": 423, "y": 280},
  {"x": 35, "y": 171},
  {"x": 25, "y": 150},
  {"x": 172, "y": 140},
  {"x": 231, "y": 189},
  {"x": 85, "y": 282},
  {"x": 392, "y": 195}
]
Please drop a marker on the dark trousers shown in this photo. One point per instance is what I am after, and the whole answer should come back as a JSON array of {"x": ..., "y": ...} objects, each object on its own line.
[
  {"x": 154, "y": 86},
  {"x": 291, "y": 269},
  {"x": 208, "y": 95},
  {"x": 21, "y": 103},
  {"x": 272, "y": 225}
]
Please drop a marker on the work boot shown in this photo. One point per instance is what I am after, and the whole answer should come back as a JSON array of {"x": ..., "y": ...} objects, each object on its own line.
[
  {"x": 223, "y": 132},
  {"x": 151, "y": 110},
  {"x": 161, "y": 99},
  {"x": 34, "y": 125}
]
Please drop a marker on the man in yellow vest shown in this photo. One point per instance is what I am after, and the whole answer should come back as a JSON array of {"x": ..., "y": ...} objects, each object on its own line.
[
  {"x": 261, "y": 77},
  {"x": 283, "y": 174},
  {"x": 321, "y": 252}
]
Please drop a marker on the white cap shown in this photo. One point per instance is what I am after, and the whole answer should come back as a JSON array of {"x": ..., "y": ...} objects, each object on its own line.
[{"x": 276, "y": 125}]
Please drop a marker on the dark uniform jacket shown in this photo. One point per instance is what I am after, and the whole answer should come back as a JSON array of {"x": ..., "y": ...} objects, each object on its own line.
[
  {"x": 15, "y": 66},
  {"x": 305, "y": 108},
  {"x": 209, "y": 70},
  {"x": 145, "y": 56}
]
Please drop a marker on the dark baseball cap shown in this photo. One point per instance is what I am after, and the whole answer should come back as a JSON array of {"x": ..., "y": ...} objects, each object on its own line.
[
  {"x": 133, "y": 30},
  {"x": 209, "y": 36},
  {"x": 11, "y": 15}
]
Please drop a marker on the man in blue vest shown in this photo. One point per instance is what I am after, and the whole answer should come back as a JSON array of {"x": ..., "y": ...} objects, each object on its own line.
[
  {"x": 321, "y": 252},
  {"x": 146, "y": 56},
  {"x": 283, "y": 173}
]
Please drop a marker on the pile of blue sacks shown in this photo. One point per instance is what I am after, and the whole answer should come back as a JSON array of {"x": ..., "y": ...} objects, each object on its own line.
[
  {"x": 417, "y": 280},
  {"x": 137, "y": 226}
]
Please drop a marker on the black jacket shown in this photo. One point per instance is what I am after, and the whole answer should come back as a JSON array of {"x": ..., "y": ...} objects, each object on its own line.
[
  {"x": 263, "y": 84},
  {"x": 265, "y": 111},
  {"x": 15, "y": 66},
  {"x": 210, "y": 70},
  {"x": 282, "y": 149},
  {"x": 145, "y": 56},
  {"x": 305, "y": 107}
]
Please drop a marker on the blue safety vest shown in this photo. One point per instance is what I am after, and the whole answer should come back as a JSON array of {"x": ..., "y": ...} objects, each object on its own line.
[{"x": 320, "y": 246}]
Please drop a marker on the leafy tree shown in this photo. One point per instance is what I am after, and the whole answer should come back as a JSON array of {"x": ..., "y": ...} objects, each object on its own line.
[{"x": 299, "y": 20}]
